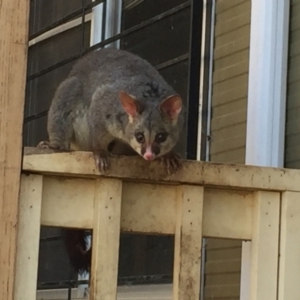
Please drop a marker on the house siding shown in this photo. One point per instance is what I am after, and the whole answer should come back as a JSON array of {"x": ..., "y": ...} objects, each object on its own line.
[
  {"x": 292, "y": 138},
  {"x": 228, "y": 132}
]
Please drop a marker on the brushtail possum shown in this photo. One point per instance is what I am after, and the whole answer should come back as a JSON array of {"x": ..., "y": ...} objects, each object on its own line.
[{"x": 113, "y": 97}]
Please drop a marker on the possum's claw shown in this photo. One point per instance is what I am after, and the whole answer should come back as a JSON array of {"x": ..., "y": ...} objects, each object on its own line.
[
  {"x": 171, "y": 161},
  {"x": 102, "y": 161},
  {"x": 48, "y": 145},
  {"x": 44, "y": 145}
]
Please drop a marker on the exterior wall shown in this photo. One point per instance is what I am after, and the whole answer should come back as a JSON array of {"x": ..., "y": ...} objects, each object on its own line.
[
  {"x": 228, "y": 131},
  {"x": 292, "y": 146},
  {"x": 230, "y": 81},
  {"x": 222, "y": 269}
]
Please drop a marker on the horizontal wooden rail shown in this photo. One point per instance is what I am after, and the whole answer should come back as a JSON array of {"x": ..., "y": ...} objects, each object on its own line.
[
  {"x": 81, "y": 164},
  {"x": 146, "y": 208}
]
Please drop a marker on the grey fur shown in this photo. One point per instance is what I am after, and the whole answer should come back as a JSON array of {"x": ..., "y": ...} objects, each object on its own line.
[{"x": 86, "y": 110}]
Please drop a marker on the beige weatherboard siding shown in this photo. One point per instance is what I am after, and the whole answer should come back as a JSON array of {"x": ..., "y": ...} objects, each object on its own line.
[
  {"x": 228, "y": 131},
  {"x": 230, "y": 81},
  {"x": 292, "y": 150}
]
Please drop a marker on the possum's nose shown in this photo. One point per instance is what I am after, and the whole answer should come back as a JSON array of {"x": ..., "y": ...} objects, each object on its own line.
[{"x": 149, "y": 156}]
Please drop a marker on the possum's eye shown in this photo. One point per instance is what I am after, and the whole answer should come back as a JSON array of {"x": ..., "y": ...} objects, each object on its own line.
[
  {"x": 139, "y": 136},
  {"x": 161, "y": 137}
]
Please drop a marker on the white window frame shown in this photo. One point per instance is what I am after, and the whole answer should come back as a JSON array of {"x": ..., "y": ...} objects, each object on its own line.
[
  {"x": 112, "y": 26},
  {"x": 59, "y": 29},
  {"x": 203, "y": 88},
  {"x": 266, "y": 97},
  {"x": 112, "y": 22}
]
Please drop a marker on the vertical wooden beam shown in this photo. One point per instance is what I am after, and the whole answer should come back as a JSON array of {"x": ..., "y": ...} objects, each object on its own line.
[
  {"x": 28, "y": 236},
  {"x": 188, "y": 239},
  {"x": 13, "y": 56},
  {"x": 106, "y": 239},
  {"x": 265, "y": 246},
  {"x": 289, "y": 269}
]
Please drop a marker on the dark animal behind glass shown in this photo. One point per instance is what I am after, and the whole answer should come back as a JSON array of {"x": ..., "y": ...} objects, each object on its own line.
[{"x": 114, "y": 100}]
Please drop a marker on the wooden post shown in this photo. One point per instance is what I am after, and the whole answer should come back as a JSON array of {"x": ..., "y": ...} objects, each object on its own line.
[
  {"x": 289, "y": 274},
  {"x": 265, "y": 246},
  {"x": 188, "y": 239},
  {"x": 13, "y": 55},
  {"x": 28, "y": 236},
  {"x": 106, "y": 237}
]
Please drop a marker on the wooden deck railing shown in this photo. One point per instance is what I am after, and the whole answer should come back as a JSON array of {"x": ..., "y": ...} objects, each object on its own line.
[{"x": 201, "y": 200}]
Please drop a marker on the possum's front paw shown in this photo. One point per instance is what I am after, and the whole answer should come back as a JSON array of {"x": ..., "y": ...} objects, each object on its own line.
[
  {"x": 171, "y": 161},
  {"x": 48, "y": 145},
  {"x": 43, "y": 145},
  {"x": 101, "y": 160}
]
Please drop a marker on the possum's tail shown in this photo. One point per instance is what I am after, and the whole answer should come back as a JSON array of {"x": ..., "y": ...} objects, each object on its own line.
[{"x": 77, "y": 249}]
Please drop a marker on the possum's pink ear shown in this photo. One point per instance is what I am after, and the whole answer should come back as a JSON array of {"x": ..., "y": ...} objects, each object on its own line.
[
  {"x": 129, "y": 104},
  {"x": 171, "y": 106}
]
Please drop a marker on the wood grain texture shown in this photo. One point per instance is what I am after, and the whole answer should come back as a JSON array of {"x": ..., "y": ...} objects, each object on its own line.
[
  {"x": 292, "y": 143},
  {"x": 63, "y": 198},
  {"x": 193, "y": 172},
  {"x": 28, "y": 236},
  {"x": 106, "y": 239},
  {"x": 265, "y": 246},
  {"x": 146, "y": 208},
  {"x": 289, "y": 275},
  {"x": 188, "y": 241},
  {"x": 13, "y": 61},
  {"x": 230, "y": 81}
]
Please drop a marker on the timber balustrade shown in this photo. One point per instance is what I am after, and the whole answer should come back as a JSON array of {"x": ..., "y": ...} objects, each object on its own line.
[{"x": 201, "y": 200}]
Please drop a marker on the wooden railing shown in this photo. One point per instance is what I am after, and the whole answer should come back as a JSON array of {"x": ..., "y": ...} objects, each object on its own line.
[{"x": 201, "y": 200}]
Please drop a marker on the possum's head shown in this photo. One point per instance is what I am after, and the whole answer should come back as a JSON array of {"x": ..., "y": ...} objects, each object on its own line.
[{"x": 152, "y": 129}]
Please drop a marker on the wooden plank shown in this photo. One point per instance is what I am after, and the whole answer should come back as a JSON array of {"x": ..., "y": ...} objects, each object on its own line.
[
  {"x": 222, "y": 267},
  {"x": 146, "y": 208},
  {"x": 234, "y": 71},
  {"x": 289, "y": 275},
  {"x": 230, "y": 83},
  {"x": 233, "y": 46},
  {"x": 13, "y": 55},
  {"x": 63, "y": 198},
  {"x": 235, "y": 93},
  {"x": 223, "y": 291},
  {"x": 218, "y": 244},
  {"x": 265, "y": 246},
  {"x": 214, "y": 280},
  {"x": 227, "y": 214},
  {"x": 232, "y": 60},
  {"x": 193, "y": 172},
  {"x": 224, "y": 5},
  {"x": 106, "y": 236},
  {"x": 28, "y": 236},
  {"x": 188, "y": 240},
  {"x": 292, "y": 145},
  {"x": 234, "y": 156},
  {"x": 223, "y": 254},
  {"x": 237, "y": 21}
]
